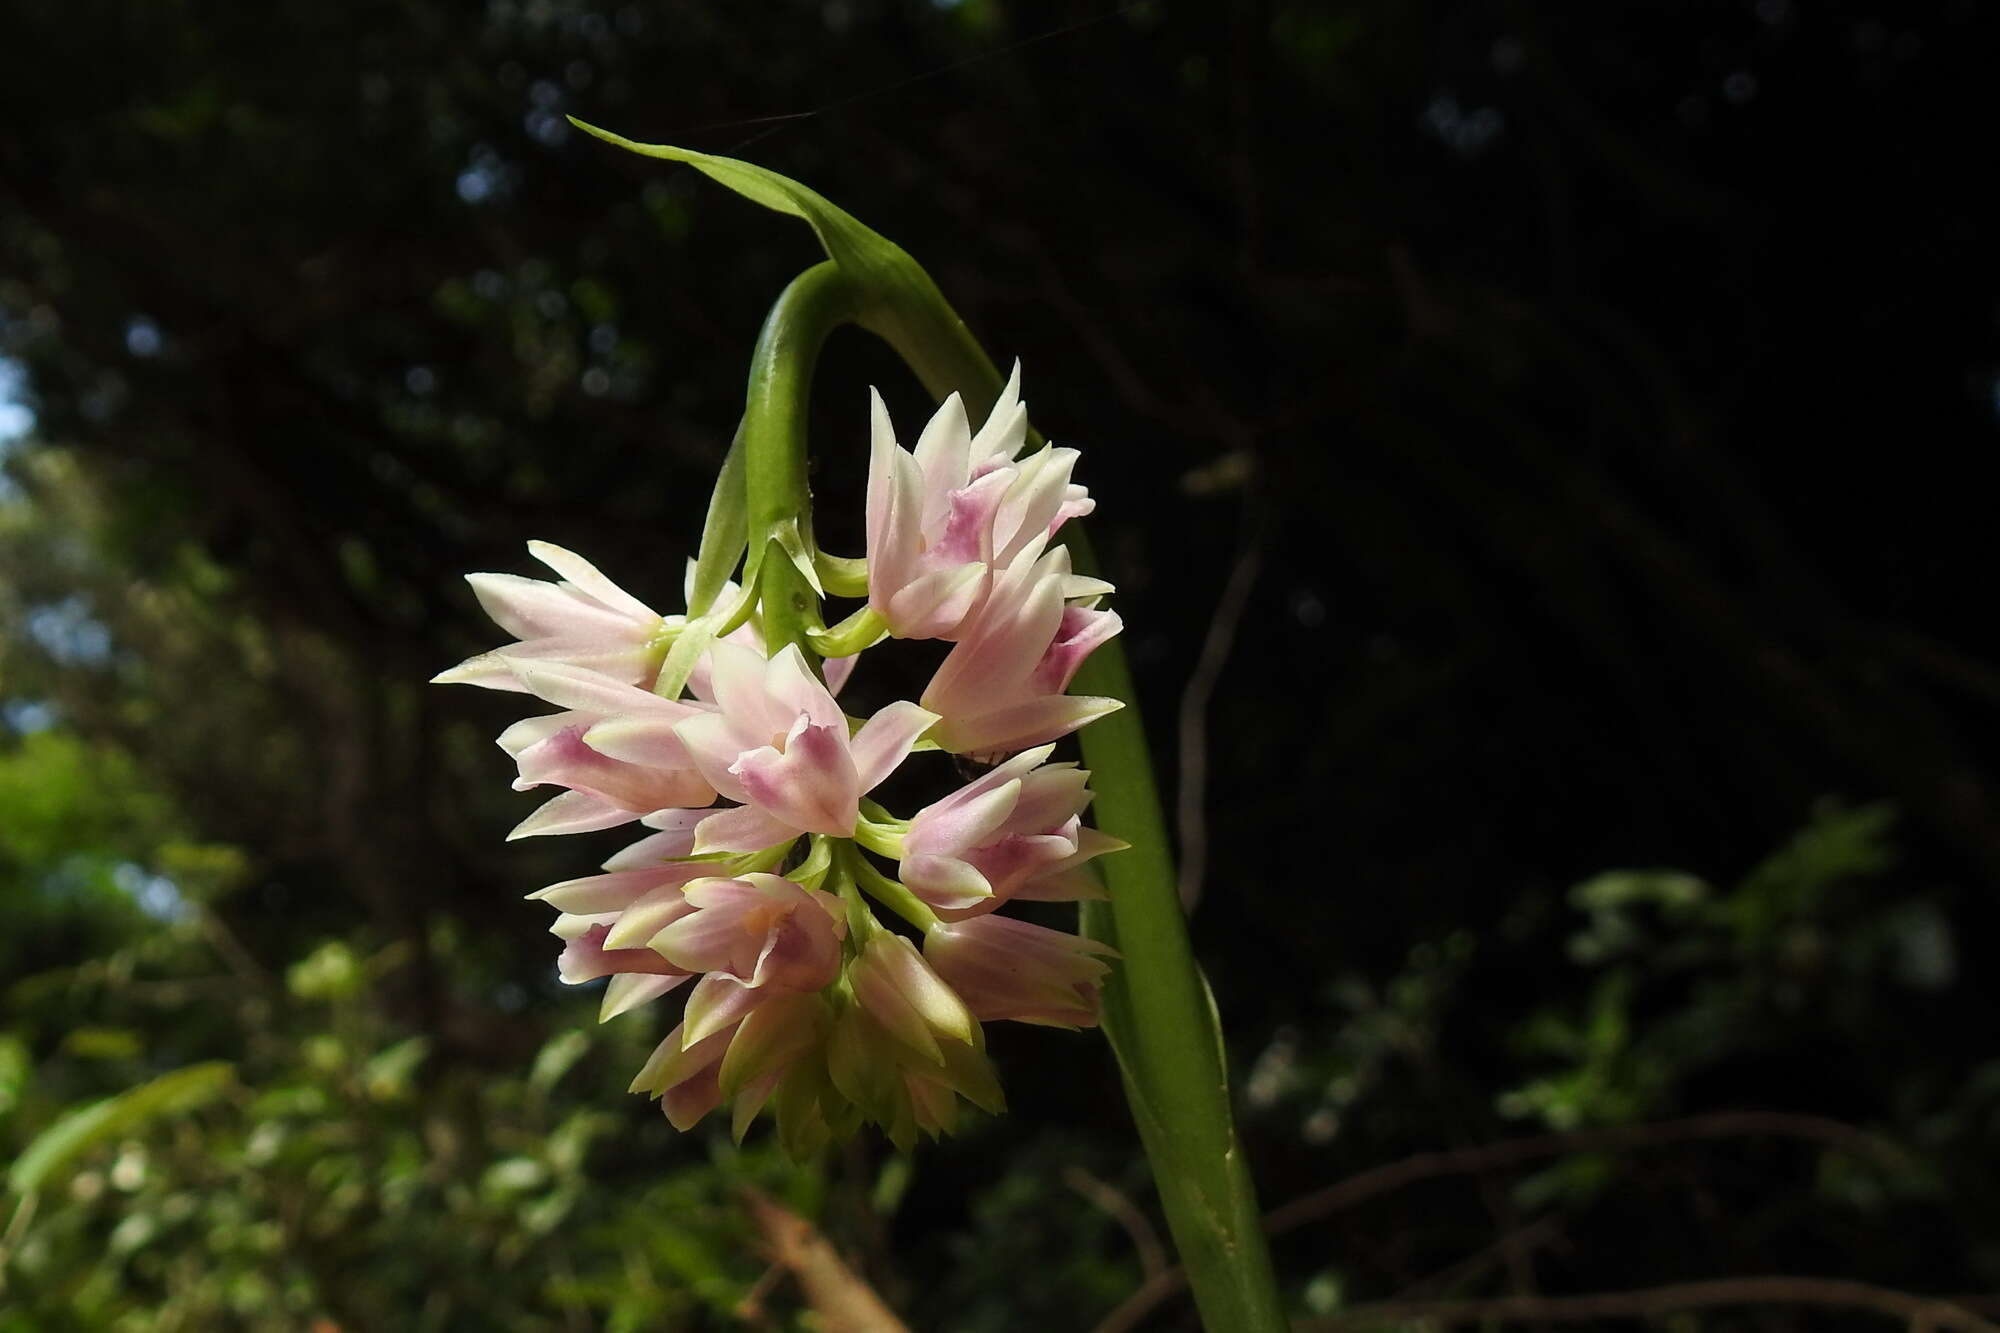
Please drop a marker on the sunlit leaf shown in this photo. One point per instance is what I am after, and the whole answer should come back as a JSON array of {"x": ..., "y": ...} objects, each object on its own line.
[{"x": 81, "y": 1130}]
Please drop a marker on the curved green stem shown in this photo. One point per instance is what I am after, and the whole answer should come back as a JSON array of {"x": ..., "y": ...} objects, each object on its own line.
[{"x": 777, "y": 499}]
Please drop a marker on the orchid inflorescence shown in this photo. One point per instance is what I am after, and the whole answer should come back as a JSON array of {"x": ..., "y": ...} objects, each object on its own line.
[{"x": 803, "y": 1000}]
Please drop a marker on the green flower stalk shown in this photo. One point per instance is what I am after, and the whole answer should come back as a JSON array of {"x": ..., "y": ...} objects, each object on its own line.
[{"x": 721, "y": 732}]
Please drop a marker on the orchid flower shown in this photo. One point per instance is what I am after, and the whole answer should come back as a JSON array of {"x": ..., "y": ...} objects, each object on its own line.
[
  {"x": 1001, "y": 688},
  {"x": 805, "y": 1002},
  {"x": 1015, "y": 832},
  {"x": 604, "y": 790},
  {"x": 585, "y": 620},
  {"x": 779, "y": 744},
  {"x": 908, "y": 1048},
  {"x": 1008, "y": 969},
  {"x": 941, "y": 519},
  {"x": 589, "y": 622}
]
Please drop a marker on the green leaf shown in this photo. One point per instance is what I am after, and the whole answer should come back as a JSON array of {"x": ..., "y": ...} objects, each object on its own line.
[
  {"x": 557, "y": 1056},
  {"x": 81, "y": 1130},
  {"x": 723, "y": 533},
  {"x": 854, "y": 247}
]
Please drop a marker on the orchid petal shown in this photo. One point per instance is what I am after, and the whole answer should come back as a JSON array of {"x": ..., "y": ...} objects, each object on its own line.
[
  {"x": 629, "y": 990},
  {"x": 571, "y": 812},
  {"x": 586, "y": 578},
  {"x": 742, "y": 828},
  {"x": 884, "y": 741},
  {"x": 811, "y": 784}
]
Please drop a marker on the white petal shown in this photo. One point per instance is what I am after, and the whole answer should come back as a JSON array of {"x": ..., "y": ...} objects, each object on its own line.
[
  {"x": 571, "y": 812},
  {"x": 885, "y": 739},
  {"x": 941, "y": 453},
  {"x": 574, "y": 687},
  {"x": 587, "y": 580}
]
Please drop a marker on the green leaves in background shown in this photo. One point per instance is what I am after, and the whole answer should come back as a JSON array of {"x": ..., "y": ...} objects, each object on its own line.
[{"x": 59, "y": 1146}]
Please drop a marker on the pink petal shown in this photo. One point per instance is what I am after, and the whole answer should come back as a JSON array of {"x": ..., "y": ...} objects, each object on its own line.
[
  {"x": 534, "y": 730},
  {"x": 573, "y": 687},
  {"x": 718, "y": 1002},
  {"x": 838, "y": 669},
  {"x": 585, "y": 959},
  {"x": 894, "y": 508},
  {"x": 1018, "y": 766},
  {"x": 936, "y": 604},
  {"x": 651, "y": 850},
  {"x": 571, "y": 812},
  {"x": 1012, "y": 859},
  {"x": 884, "y": 741},
  {"x": 792, "y": 687},
  {"x": 489, "y": 671},
  {"x": 712, "y": 941},
  {"x": 943, "y": 456},
  {"x": 742, "y": 828},
  {"x": 564, "y": 760},
  {"x": 964, "y": 824},
  {"x": 968, "y": 530},
  {"x": 1051, "y": 797},
  {"x": 648, "y": 741},
  {"x": 533, "y": 609},
  {"x": 613, "y": 892},
  {"x": 669, "y": 1062},
  {"x": 736, "y": 674},
  {"x": 691, "y": 1099},
  {"x": 1000, "y": 649},
  {"x": 629, "y": 990},
  {"x": 714, "y": 746},
  {"x": 1006, "y": 428},
  {"x": 585, "y": 577},
  {"x": 810, "y": 785},
  {"x": 1077, "y": 636},
  {"x": 1031, "y": 504},
  {"x": 945, "y": 882},
  {"x": 1032, "y": 723},
  {"x": 647, "y": 917}
]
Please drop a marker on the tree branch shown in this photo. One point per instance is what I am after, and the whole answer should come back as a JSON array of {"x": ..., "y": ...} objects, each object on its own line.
[
  {"x": 1918, "y": 1311},
  {"x": 1392, "y": 1176},
  {"x": 835, "y": 1293}
]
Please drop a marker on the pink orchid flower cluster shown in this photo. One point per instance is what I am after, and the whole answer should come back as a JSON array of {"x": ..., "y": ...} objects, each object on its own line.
[{"x": 765, "y": 856}]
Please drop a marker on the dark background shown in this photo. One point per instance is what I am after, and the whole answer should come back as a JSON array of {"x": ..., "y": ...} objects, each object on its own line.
[{"x": 1531, "y": 441}]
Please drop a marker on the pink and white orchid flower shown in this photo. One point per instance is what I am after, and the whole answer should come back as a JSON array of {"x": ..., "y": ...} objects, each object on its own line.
[
  {"x": 941, "y": 519},
  {"x": 1008, "y": 969},
  {"x": 908, "y": 1048},
  {"x": 745, "y": 1060},
  {"x": 608, "y": 919},
  {"x": 1015, "y": 832},
  {"x": 585, "y": 620},
  {"x": 653, "y": 772},
  {"x": 1001, "y": 689},
  {"x": 589, "y": 622},
  {"x": 779, "y": 744},
  {"x": 761, "y": 929}
]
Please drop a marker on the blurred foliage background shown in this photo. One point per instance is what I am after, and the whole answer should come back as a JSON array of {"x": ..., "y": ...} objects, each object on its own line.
[{"x": 1535, "y": 445}]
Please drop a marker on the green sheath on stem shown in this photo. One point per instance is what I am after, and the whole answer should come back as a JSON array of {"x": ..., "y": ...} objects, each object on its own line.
[{"x": 1157, "y": 1010}]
